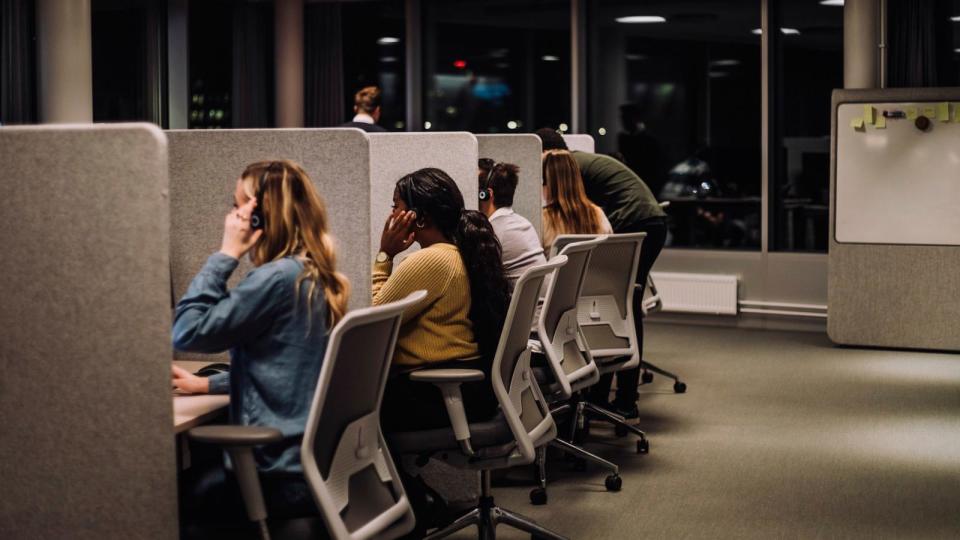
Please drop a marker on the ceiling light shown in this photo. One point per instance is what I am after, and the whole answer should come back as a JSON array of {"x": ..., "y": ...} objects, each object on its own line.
[
  {"x": 387, "y": 40},
  {"x": 602, "y": 131},
  {"x": 955, "y": 19},
  {"x": 831, "y": 3},
  {"x": 641, "y": 19},
  {"x": 784, "y": 31},
  {"x": 563, "y": 127},
  {"x": 427, "y": 125},
  {"x": 636, "y": 57},
  {"x": 725, "y": 62},
  {"x": 512, "y": 124},
  {"x": 550, "y": 58},
  {"x": 388, "y": 59},
  {"x": 718, "y": 74}
]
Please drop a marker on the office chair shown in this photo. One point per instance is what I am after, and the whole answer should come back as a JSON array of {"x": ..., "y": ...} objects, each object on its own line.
[
  {"x": 345, "y": 460},
  {"x": 605, "y": 314},
  {"x": 570, "y": 365},
  {"x": 651, "y": 304},
  {"x": 522, "y": 425}
]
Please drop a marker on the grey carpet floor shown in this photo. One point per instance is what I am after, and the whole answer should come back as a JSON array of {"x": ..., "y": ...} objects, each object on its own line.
[{"x": 780, "y": 435}]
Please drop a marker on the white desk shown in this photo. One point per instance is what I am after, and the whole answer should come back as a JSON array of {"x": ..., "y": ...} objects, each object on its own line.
[{"x": 193, "y": 410}]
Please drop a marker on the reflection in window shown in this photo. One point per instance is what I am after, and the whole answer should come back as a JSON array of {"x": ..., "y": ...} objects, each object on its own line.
[
  {"x": 807, "y": 67},
  {"x": 679, "y": 101},
  {"x": 211, "y": 69},
  {"x": 496, "y": 68},
  {"x": 374, "y": 48}
]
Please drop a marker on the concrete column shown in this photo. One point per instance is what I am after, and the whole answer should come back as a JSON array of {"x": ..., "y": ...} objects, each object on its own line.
[
  {"x": 65, "y": 58},
  {"x": 861, "y": 38},
  {"x": 288, "y": 50},
  {"x": 178, "y": 64}
]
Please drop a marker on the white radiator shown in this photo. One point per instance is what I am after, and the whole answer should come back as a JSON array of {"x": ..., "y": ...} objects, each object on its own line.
[{"x": 697, "y": 293}]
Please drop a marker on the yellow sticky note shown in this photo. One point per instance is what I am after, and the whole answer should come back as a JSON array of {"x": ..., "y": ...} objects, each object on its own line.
[
  {"x": 881, "y": 122},
  {"x": 857, "y": 122},
  {"x": 912, "y": 113},
  {"x": 868, "y": 114},
  {"x": 929, "y": 112},
  {"x": 943, "y": 112}
]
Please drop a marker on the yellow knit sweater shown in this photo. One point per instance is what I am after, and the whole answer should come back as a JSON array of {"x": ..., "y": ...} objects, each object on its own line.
[{"x": 438, "y": 328}]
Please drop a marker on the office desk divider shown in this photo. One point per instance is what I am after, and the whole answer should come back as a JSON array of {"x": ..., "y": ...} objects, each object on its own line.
[
  {"x": 581, "y": 142},
  {"x": 86, "y": 444},
  {"x": 523, "y": 151}
]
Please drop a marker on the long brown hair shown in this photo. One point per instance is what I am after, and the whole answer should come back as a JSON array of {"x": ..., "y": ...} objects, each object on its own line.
[
  {"x": 568, "y": 210},
  {"x": 295, "y": 224}
]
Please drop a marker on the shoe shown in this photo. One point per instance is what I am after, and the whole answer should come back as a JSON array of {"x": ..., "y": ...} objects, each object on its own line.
[{"x": 630, "y": 412}]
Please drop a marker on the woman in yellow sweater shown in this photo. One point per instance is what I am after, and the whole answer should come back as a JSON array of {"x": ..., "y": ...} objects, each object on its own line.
[{"x": 458, "y": 324}]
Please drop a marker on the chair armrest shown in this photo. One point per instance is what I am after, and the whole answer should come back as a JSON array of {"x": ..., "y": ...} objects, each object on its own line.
[
  {"x": 448, "y": 381},
  {"x": 235, "y": 435},
  {"x": 446, "y": 375}
]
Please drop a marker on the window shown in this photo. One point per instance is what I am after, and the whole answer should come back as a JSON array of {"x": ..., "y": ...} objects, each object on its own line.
[
  {"x": 675, "y": 92},
  {"x": 374, "y": 48},
  {"x": 808, "y": 65},
  {"x": 496, "y": 67}
]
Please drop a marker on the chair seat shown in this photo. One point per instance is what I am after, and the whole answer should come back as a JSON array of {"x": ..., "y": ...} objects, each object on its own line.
[{"x": 493, "y": 433}]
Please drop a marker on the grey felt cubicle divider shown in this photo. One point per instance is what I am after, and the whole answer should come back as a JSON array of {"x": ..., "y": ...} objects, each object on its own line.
[
  {"x": 581, "y": 142},
  {"x": 523, "y": 151},
  {"x": 205, "y": 165},
  {"x": 393, "y": 155},
  {"x": 893, "y": 295},
  {"x": 86, "y": 441}
]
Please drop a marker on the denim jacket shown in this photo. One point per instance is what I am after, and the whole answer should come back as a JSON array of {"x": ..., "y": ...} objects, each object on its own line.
[{"x": 276, "y": 347}]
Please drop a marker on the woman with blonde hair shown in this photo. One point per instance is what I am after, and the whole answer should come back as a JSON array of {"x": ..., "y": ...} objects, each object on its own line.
[
  {"x": 275, "y": 323},
  {"x": 566, "y": 208}
]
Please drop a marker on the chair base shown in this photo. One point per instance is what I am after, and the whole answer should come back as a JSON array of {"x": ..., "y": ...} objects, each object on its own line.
[
  {"x": 487, "y": 515},
  {"x": 646, "y": 378}
]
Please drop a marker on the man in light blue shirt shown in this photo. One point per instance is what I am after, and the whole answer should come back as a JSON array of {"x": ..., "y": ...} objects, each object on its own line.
[{"x": 518, "y": 239}]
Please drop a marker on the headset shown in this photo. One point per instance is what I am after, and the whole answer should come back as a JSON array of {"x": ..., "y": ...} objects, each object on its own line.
[
  {"x": 484, "y": 193},
  {"x": 257, "y": 219}
]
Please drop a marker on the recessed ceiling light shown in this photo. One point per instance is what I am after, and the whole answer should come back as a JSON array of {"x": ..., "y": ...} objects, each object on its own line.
[
  {"x": 550, "y": 58},
  {"x": 387, "y": 40},
  {"x": 955, "y": 19},
  {"x": 831, "y": 3},
  {"x": 784, "y": 31},
  {"x": 388, "y": 59},
  {"x": 641, "y": 19},
  {"x": 725, "y": 62},
  {"x": 636, "y": 57}
]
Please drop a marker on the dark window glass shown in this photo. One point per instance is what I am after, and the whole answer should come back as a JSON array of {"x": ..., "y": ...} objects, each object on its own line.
[
  {"x": 679, "y": 102},
  {"x": 496, "y": 67},
  {"x": 211, "y": 45},
  {"x": 923, "y": 43},
  {"x": 18, "y": 62},
  {"x": 128, "y": 57},
  {"x": 808, "y": 65},
  {"x": 374, "y": 48}
]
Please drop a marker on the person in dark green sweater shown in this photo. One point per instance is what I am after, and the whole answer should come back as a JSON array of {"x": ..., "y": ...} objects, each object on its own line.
[{"x": 630, "y": 207}]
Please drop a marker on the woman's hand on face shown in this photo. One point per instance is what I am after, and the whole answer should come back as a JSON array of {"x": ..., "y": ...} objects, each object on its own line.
[
  {"x": 238, "y": 237},
  {"x": 397, "y": 232},
  {"x": 189, "y": 383}
]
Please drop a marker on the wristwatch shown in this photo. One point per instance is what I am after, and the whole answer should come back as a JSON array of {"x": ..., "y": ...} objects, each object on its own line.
[{"x": 382, "y": 257}]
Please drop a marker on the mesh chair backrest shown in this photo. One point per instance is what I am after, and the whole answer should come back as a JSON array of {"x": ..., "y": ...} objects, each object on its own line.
[
  {"x": 526, "y": 411},
  {"x": 345, "y": 459}
]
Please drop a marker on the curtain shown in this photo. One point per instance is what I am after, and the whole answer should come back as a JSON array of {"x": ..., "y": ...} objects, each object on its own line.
[
  {"x": 252, "y": 65},
  {"x": 18, "y": 79},
  {"x": 920, "y": 37},
  {"x": 323, "y": 72}
]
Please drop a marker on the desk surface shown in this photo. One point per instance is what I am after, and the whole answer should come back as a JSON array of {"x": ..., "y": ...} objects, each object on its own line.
[{"x": 193, "y": 410}]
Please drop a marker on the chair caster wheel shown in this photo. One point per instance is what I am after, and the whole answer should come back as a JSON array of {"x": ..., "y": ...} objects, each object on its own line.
[
  {"x": 614, "y": 482},
  {"x": 538, "y": 496},
  {"x": 619, "y": 431},
  {"x": 646, "y": 377},
  {"x": 579, "y": 464},
  {"x": 643, "y": 446},
  {"x": 679, "y": 387}
]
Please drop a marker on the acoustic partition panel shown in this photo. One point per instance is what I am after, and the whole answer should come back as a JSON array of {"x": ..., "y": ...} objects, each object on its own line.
[
  {"x": 583, "y": 143},
  {"x": 205, "y": 166},
  {"x": 394, "y": 155},
  {"x": 86, "y": 441},
  {"x": 523, "y": 151},
  {"x": 894, "y": 191}
]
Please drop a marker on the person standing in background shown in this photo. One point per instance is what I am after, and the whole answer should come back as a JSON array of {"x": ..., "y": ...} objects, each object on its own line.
[{"x": 366, "y": 108}]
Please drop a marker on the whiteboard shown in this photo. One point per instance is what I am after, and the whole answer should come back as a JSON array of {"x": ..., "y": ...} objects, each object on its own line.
[
  {"x": 580, "y": 142},
  {"x": 897, "y": 185}
]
